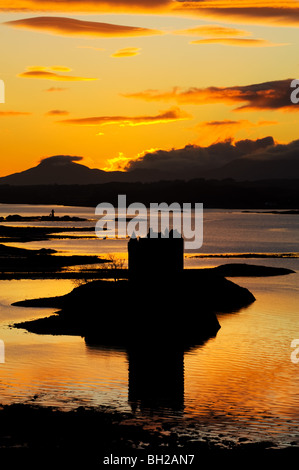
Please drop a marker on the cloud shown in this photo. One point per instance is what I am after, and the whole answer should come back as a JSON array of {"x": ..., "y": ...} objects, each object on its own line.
[
  {"x": 86, "y": 5},
  {"x": 267, "y": 96},
  {"x": 187, "y": 161},
  {"x": 276, "y": 13},
  {"x": 271, "y": 152},
  {"x": 121, "y": 162},
  {"x": 59, "y": 160},
  {"x": 241, "y": 123},
  {"x": 72, "y": 27},
  {"x": 53, "y": 89},
  {"x": 244, "y": 42},
  {"x": 57, "y": 112},
  {"x": 46, "y": 73},
  {"x": 242, "y": 160},
  {"x": 211, "y": 131},
  {"x": 212, "y": 30},
  {"x": 60, "y": 68},
  {"x": 227, "y": 126},
  {"x": 127, "y": 52},
  {"x": 170, "y": 115},
  {"x": 13, "y": 113},
  {"x": 216, "y": 34}
]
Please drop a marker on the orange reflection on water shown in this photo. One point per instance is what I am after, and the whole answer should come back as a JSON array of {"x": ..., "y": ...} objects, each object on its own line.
[
  {"x": 246, "y": 372},
  {"x": 61, "y": 370},
  {"x": 243, "y": 376}
]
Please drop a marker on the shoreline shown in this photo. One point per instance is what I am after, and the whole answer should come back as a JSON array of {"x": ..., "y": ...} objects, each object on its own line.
[
  {"x": 226, "y": 270},
  {"x": 245, "y": 255},
  {"x": 89, "y": 435}
]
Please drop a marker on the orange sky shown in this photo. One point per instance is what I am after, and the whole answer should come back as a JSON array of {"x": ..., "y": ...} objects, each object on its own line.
[{"x": 109, "y": 81}]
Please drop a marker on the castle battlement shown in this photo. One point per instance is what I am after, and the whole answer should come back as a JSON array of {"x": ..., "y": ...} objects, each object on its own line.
[{"x": 156, "y": 255}]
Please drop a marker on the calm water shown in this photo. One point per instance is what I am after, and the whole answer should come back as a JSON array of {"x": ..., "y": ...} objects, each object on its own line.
[{"x": 241, "y": 383}]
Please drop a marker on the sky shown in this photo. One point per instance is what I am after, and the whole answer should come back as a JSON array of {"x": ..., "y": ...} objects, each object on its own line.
[{"x": 113, "y": 81}]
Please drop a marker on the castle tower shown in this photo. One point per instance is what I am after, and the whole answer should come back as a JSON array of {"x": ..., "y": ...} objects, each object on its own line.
[{"x": 155, "y": 255}]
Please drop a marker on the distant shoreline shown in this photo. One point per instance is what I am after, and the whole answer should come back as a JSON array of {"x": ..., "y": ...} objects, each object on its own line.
[
  {"x": 279, "y": 212},
  {"x": 245, "y": 255},
  {"x": 219, "y": 194}
]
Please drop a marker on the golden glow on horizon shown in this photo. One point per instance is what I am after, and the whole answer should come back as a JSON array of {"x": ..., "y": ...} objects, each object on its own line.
[{"x": 120, "y": 163}]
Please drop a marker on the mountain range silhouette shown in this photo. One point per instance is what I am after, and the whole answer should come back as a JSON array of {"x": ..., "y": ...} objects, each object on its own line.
[
  {"x": 220, "y": 161},
  {"x": 65, "y": 169}
]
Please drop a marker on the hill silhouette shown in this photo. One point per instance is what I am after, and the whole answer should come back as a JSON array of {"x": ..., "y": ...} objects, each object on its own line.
[
  {"x": 65, "y": 169},
  {"x": 60, "y": 169}
]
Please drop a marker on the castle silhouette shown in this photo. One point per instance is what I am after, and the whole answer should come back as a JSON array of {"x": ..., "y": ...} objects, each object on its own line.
[{"x": 157, "y": 253}]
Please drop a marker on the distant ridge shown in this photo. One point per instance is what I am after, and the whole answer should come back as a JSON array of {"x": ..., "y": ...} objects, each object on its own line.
[
  {"x": 181, "y": 164},
  {"x": 64, "y": 170},
  {"x": 254, "y": 170},
  {"x": 60, "y": 169}
]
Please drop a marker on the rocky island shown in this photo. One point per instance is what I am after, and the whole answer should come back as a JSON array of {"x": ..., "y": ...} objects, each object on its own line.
[{"x": 124, "y": 311}]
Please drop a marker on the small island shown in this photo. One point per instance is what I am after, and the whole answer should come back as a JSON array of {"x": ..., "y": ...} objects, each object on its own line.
[
  {"x": 154, "y": 299},
  {"x": 157, "y": 300},
  {"x": 38, "y": 263},
  {"x": 41, "y": 218}
]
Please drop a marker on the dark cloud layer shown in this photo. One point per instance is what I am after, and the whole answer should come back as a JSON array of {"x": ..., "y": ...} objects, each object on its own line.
[
  {"x": 277, "y": 12},
  {"x": 241, "y": 160},
  {"x": 83, "y": 5},
  {"x": 60, "y": 160},
  {"x": 192, "y": 159}
]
